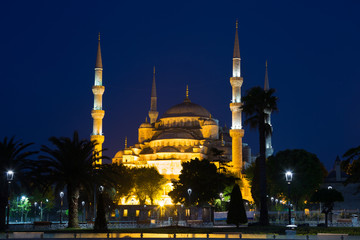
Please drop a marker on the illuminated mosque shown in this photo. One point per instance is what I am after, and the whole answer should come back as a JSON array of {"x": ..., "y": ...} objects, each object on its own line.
[{"x": 183, "y": 132}]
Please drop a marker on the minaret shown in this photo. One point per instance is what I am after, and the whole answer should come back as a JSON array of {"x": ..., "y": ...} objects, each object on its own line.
[
  {"x": 269, "y": 149},
  {"x": 98, "y": 113},
  {"x": 236, "y": 131},
  {"x": 153, "y": 113}
]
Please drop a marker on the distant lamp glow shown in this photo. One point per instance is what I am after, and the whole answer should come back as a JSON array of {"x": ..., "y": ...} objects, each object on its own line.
[
  {"x": 9, "y": 175},
  {"x": 288, "y": 176},
  {"x": 101, "y": 189},
  {"x": 189, "y": 191},
  {"x": 23, "y": 198},
  {"x": 161, "y": 203},
  {"x": 329, "y": 187},
  {"x": 61, "y": 194}
]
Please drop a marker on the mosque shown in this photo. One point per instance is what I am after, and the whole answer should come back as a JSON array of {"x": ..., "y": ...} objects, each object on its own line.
[{"x": 183, "y": 132}]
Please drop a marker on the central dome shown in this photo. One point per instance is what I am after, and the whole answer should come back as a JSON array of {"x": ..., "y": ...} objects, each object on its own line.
[{"x": 187, "y": 109}]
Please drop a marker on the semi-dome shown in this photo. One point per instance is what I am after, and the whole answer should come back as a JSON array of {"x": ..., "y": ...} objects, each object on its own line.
[
  {"x": 175, "y": 135},
  {"x": 145, "y": 125},
  {"x": 187, "y": 109},
  {"x": 210, "y": 122}
]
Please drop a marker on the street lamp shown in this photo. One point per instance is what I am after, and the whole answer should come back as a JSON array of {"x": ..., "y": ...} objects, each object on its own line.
[
  {"x": 83, "y": 205},
  {"x": 23, "y": 200},
  {"x": 189, "y": 191},
  {"x": 35, "y": 204},
  {"x": 61, "y": 205},
  {"x": 288, "y": 177},
  {"x": 9, "y": 177},
  {"x": 161, "y": 203}
]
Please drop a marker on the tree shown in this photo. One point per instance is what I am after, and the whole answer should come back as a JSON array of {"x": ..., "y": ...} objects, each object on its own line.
[
  {"x": 148, "y": 183},
  {"x": 351, "y": 165},
  {"x": 204, "y": 180},
  {"x": 122, "y": 180},
  {"x": 308, "y": 174},
  {"x": 257, "y": 105},
  {"x": 13, "y": 156},
  {"x": 236, "y": 214},
  {"x": 327, "y": 196},
  {"x": 70, "y": 164}
]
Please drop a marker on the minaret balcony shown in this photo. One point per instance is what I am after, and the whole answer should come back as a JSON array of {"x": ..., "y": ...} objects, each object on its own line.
[
  {"x": 235, "y": 107},
  {"x": 236, "y": 81},
  {"x": 97, "y": 114},
  {"x": 98, "y": 90}
]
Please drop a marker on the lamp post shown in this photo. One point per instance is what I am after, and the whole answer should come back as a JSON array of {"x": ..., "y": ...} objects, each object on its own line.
[
  {"x": 161, "y": 203},
  {"x": 83, "y": 205},
  {"x": 35, "y": 204},
  {"x": 23, "y": 200},
  {"x": 221, "y": 199},
  {"x": 61, "y": 205},
  {"x": 189, "y": 191},
  {"x": 288, "y": 177},
  {"x": 9, "y": 177},
  {"x": 41, "y": 210},
  {"x": 47, "y": 215}
]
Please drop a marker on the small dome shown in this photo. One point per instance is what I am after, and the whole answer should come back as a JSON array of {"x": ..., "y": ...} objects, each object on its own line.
[
  {"x": 119, "y": 154},
  {"x": 187, "y": 109}
]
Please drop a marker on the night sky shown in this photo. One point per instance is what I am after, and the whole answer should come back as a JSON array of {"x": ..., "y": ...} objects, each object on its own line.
[{"x": 312, "y": 47}]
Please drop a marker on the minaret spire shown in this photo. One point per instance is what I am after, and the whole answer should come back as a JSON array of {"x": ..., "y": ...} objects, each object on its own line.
[
  {"x": 98, "y": 56},
  {"x": 153, "y": 113},
  {"x": 236, "y": 54},
  {"x": 98, "y": 113},
  {"x": 268, "y": 146},
  {"x": 236, "y": 131}
]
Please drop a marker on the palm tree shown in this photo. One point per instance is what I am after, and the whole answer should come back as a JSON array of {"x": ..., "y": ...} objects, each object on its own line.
[
  {"x": 13, "y": 156},
  {"x": 257, "y": 105},
  {"x": 70, "y": 164}
]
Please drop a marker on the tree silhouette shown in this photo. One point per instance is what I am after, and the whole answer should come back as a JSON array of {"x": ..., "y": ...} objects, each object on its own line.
[
  {"x": 327, "y": 196},
  {"x": 236, "y": 214},
  {"x": 257, "y": 105}
]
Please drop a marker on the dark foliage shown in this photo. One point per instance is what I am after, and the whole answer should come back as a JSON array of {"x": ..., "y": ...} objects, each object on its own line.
[
  {"x": 257, "y": 105},
  {"x": 327, "y": 197},
  {"x": 70, "y": 164},
  {"x": 204, "y": 180},
  {"x": 351, "y": 165},
  {"x": 15, "y": 157},
  {"x": 308, "y": 174}
]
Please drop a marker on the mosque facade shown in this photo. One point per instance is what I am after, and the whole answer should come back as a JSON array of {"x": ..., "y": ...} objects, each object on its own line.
[{"x": 185, "y": 131}]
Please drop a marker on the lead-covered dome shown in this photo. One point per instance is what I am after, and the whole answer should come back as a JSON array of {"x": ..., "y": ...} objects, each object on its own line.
[{"x": 187, "y": 109}]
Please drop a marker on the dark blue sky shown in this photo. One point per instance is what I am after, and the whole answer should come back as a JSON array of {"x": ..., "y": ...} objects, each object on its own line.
[{"x": 312, "y": 47}]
